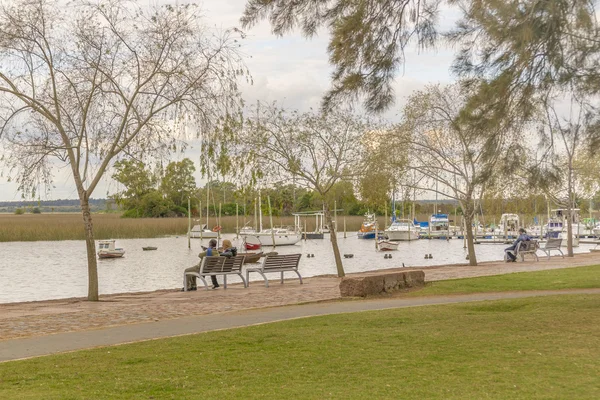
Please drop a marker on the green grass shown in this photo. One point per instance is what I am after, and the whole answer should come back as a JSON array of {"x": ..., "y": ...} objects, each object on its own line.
[
  {"x": 536, "y": 348},
  {"x": 555, "y": 279}
]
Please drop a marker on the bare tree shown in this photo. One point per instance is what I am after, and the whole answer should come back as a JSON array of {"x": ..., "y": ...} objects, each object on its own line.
[
  {"x": 451, "y": 155},
  {"x": 86, "y": 83},
  {"x": 316, "y": 150},
  {"x": 565, "y": 140}
]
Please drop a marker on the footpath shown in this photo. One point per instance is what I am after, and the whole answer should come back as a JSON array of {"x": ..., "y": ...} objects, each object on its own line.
[{"x": 45, "y": 327}]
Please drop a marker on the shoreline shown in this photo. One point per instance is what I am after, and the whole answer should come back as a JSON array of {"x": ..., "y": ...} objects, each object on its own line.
[{"x": 432, "y": 273}]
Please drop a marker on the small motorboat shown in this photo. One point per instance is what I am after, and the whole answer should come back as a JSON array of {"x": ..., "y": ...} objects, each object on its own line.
[
  {"x": 106, "y": 249},
  {"x": 252, "y": 246},
  {"x": 251, "y": 257},
  {"x": 387, "y": 245},
  {"x": 149, "y": 248}
]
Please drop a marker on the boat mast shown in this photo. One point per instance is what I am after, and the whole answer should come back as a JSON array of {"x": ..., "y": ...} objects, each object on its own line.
[
  {"x": 207, "y": 199},
  {"x": 259, "y": 212},
  {"x": 255, "y": 216}
]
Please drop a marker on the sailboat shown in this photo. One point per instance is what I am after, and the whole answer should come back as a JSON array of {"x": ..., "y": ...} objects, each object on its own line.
[
  {"x": 270, "y": 237},
  {"x": 401, "y": 229},
  {"x": 202, "y": 231}
]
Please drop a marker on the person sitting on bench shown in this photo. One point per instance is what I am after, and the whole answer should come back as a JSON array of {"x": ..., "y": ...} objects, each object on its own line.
[
  {"x": 191, "y": 279},
  {"x": 510, "y": 253}
]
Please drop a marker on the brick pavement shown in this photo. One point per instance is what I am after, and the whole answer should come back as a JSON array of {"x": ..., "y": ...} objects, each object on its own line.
[{"x": 18, "y": 320}]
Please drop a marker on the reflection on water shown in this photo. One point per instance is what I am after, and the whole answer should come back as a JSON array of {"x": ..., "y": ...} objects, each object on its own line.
[{"x": 52, "y": 270}]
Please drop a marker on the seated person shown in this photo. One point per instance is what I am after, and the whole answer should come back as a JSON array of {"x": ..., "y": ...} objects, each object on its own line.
[
  {"x": 510, "y": 252},
  {"x": 190, "y": 280},
  {"x": 228, "y": 250}
]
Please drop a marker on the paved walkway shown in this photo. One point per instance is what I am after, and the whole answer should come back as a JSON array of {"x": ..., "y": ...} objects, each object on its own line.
[
  {"x": 70, "y": 341},
  {"x": 34, "y": 319}
]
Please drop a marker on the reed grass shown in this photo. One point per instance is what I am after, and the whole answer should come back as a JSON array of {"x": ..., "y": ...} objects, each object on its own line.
[{"x": 69, "y": 226}]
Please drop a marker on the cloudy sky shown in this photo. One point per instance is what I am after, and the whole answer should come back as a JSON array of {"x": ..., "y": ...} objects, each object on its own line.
[{"x": 291, "y": 70}]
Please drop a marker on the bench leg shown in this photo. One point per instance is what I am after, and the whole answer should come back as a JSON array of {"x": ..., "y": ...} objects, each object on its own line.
[
  {"x": 561, "y": 253},
  {"x": 265, "y": 278},
  {"x": 299, "y": 276},
  {"x": 204, "y": 281},
  {"x": 224, "y": 281},
  {"x": 242, "y": 277},
  {"x": 184, "y": 282},
  {"x": 282, "y": 277}
]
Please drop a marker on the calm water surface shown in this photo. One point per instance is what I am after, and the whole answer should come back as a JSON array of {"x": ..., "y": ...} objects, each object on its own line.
[{"x": 53, "y": 270}]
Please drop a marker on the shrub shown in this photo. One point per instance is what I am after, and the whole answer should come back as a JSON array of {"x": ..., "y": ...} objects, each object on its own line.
[
  {"x": 19, "y": 211},
  {"x": 36, "y": 210}
]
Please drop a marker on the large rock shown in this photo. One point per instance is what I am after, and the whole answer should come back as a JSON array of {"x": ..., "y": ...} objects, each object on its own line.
[{"x": 362, "y": 286}]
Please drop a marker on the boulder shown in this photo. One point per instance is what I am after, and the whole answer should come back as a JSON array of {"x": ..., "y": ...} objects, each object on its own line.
[{"x": 362, "y": 286}]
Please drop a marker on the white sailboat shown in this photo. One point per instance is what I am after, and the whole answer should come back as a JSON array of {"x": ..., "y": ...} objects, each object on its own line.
[
  {"x": 271, "y": 237},
  {"x": 200, "y": 231}
]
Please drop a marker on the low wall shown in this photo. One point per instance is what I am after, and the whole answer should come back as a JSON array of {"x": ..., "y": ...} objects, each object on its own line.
[{"x": 383, "y": 283}]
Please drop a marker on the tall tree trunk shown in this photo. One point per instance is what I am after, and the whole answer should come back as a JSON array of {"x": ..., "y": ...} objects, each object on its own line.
[
  {"x": 569, "y": 229},
  {"x": 91, "y": 249},
  {"x": 334, "y": 244},
  {"x": 570, "y": 210},
  {"x": 469, "y": 211}
]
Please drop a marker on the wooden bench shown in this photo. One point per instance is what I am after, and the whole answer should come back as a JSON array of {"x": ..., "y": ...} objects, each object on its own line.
[
  {"x": 552, "y": 244},
  {"x": 217, "y": 265},
  {"x": 277, "y": 263},
  {"x": 527, "y": 247}
]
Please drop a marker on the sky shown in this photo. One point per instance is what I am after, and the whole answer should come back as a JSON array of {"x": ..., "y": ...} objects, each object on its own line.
[{"x": 292, "y": 70}]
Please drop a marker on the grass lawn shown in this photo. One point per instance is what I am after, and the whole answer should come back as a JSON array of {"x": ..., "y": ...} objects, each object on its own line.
[
  {"x": 564, "y": 278},
  {"x": 536, "y": 348}
]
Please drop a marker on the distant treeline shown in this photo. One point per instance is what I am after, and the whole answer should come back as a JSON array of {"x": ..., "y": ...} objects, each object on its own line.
[{"x": 61, "y": 205}]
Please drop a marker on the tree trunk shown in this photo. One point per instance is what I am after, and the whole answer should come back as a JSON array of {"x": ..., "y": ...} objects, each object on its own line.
[
  {"x": 334, "y": 244},
  {"x": 470, "y": 239},
  {"x": 91, "y": 250},
  {"x": 569, "y": 230},
  {"x": 570, "y": 211}
]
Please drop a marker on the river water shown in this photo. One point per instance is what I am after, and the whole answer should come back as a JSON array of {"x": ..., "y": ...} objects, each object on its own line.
[{"x": 52, "y": 270}]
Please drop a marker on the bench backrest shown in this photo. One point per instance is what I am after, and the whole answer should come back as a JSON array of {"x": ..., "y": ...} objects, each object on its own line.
[
  {"x": 233, "y": 264},
  {"x": 529, "y": 245},
  {"x": 212, "y": 264},
  {"x": 553, "y": 243},
  {"x": 281, "y": 261}
]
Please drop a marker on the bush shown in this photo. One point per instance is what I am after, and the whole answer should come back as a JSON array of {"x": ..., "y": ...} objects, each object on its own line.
[
  {"x": 19, "y": 211},
  {"x": 36, "y": 210}
]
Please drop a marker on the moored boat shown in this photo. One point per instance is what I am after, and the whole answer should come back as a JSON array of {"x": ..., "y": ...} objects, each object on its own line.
[
  {"x": 438, "y": 227},
  {"x": 251, "y": 257},
  {"x": 149, "y": 248},
  {"x": 202, "y": 232},
  {"x": 387, "y": 245},
  {"x": 402, "y": 229},
  {"x": 107, "y": 249},
  {"x": 274, "y": 237},
  {"x": 368, "y": 228}
]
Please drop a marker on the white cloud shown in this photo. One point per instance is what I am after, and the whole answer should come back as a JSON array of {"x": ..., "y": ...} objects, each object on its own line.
[{"x": 291, "y": 70}]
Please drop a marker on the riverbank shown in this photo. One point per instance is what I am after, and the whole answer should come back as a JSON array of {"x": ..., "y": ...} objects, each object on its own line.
[{"x": 30, "y": 319}]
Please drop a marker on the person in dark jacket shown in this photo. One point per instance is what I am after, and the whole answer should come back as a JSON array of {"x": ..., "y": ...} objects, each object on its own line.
[
  {"x": 228, "y": 250},
  {"x": 510, "y": 253}
]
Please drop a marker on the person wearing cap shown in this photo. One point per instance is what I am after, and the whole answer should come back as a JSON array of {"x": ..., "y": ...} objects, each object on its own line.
[
  {"x": 190, "y": 280},
  {"x": 510, "y": 252}
]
